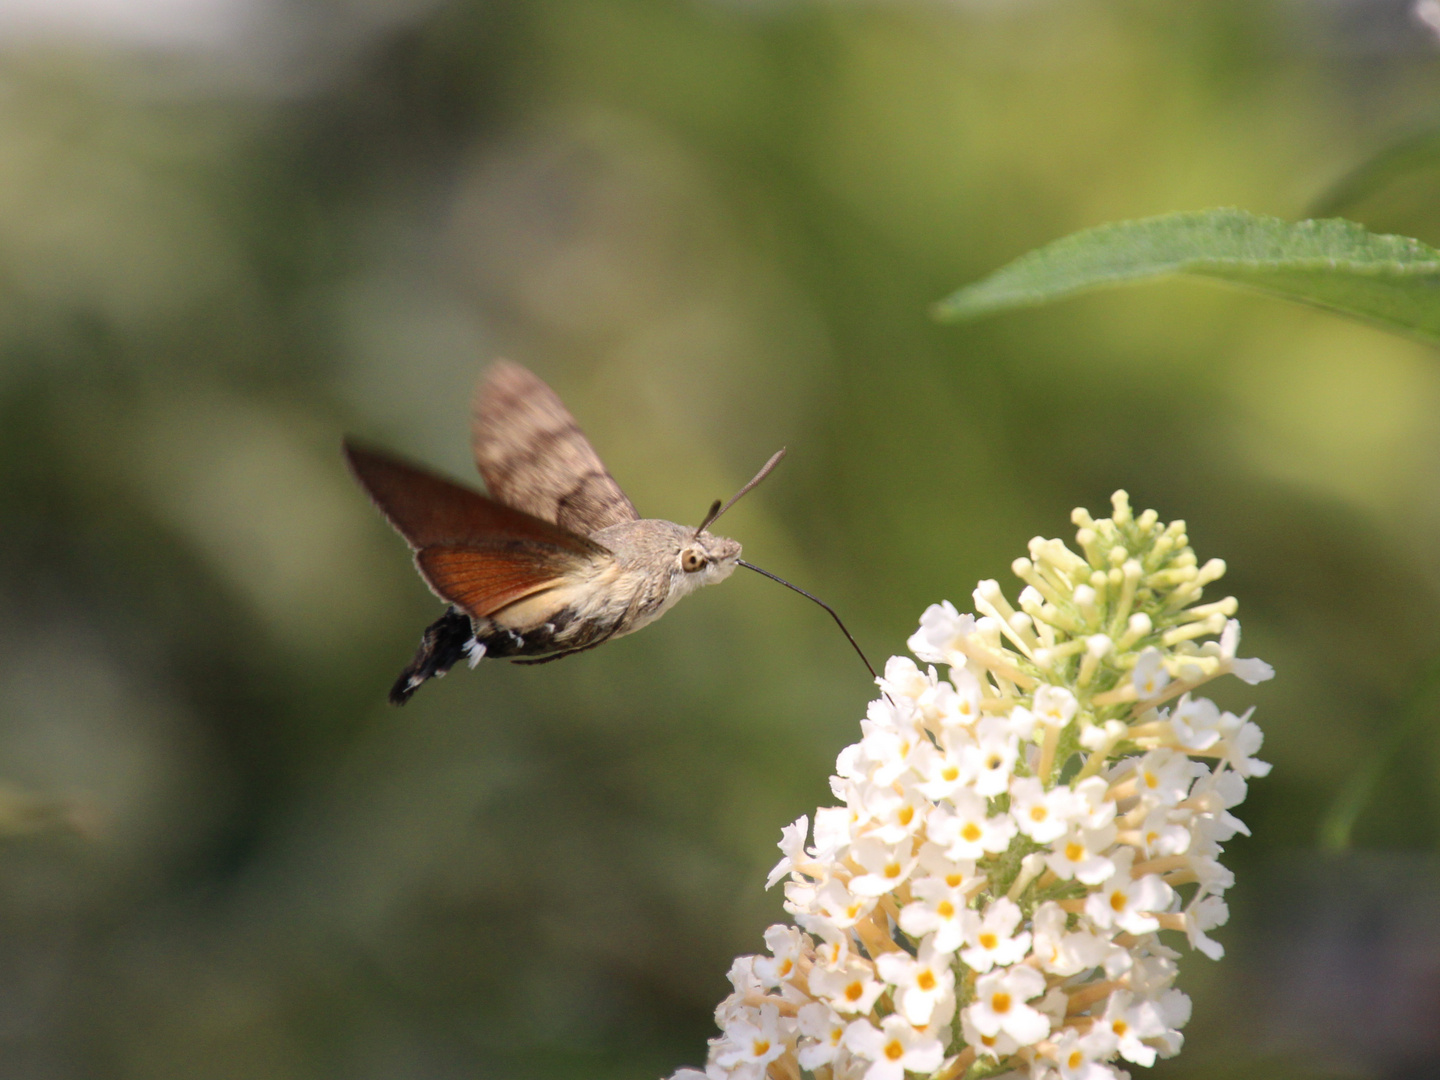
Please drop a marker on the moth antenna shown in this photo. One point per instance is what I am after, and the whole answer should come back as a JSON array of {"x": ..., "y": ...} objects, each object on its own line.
[
  {"x": 710, "y": 516},
  {"x": 776, "y": 577},
  {"x": 716, "y": 509}
]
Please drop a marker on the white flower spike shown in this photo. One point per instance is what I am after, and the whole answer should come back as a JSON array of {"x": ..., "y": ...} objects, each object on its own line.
[{"x": 1016, "y": 835}]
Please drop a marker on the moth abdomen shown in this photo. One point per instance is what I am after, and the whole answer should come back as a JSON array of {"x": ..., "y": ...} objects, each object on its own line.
[
  {"x": 563, "y": 629},
  {"x": 446, "y": 641},
  {"x": 455, "y": 636}
]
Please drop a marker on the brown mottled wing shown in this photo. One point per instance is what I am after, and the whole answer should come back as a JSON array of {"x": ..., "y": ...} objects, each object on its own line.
[
  {"x": 472, "y": 551},
  {"x": 534, "y": 457}
]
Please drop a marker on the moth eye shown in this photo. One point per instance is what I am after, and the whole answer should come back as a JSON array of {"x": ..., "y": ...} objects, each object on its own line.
[{"x": 691, "y": 560}]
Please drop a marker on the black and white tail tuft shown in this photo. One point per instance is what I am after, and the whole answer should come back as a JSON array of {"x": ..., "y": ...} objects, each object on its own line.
[{"x": 447, "y": 641}]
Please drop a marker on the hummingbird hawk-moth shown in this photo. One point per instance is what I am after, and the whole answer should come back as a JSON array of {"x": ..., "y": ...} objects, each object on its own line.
[{"x": 556, "y": 559}]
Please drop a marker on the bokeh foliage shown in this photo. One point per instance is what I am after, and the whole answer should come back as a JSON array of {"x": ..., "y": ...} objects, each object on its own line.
[{"x": 715, "y": 227}]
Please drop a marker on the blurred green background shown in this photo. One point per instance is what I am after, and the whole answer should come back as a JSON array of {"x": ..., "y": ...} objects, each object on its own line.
[{"x": 231, "y": 231}]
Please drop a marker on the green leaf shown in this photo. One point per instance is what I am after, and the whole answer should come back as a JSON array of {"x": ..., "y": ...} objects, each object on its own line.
[{"x": 1392, "y": 281}]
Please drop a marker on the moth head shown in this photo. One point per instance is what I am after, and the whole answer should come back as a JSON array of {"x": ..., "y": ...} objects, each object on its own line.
[{"x": 704, "y": 559}]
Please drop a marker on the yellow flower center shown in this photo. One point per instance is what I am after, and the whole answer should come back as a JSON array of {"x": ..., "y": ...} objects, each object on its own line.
[
  {"x": 1118, "y": 900},
  {"x": 892, "y": 870},
  {"x": 893, "y": 1050},
  {"x": 855, "y": 991},
  {"x": 971, "y": 832},
  {"x": 926, "y": 981},
  {"x": 1074, "y": 851},
  {"x": 1038, "y": 813},
  {"x": 945, "y": 909},
  {"x": 759, "y": 1047},
  {"x": 1000, "y": 1002},
  {"x": 988, "y": 941}
]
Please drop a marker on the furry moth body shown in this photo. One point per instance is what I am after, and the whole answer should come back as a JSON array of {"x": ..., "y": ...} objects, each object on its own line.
[{"x": 556, "y": 559}]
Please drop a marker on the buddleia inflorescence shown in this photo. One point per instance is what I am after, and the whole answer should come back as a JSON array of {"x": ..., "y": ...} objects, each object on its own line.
[{"x": 1014, "y": 837}]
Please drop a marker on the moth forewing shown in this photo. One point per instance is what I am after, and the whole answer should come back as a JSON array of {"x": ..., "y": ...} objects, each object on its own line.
[
  {"x": 533, "y": 455},
  {"x": 429, "y": 510}
]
